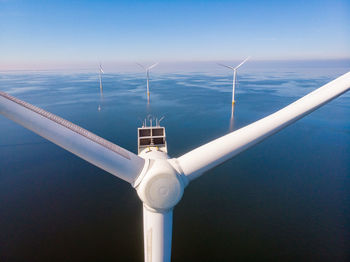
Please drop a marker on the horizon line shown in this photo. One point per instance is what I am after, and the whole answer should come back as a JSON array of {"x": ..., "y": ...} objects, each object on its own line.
[{"x": 90, "y": 65}]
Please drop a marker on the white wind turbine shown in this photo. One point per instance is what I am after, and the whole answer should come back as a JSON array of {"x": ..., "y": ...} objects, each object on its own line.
[
  {"x": 100, "y": 72},
  {"x": 158, "y": 179},
  {"x": 234, "y": 81},
  {"x": 147, "y": 73}
]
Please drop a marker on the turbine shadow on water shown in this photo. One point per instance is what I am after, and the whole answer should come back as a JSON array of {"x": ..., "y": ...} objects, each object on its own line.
[
  {"x": 148, "y": 108},
  {"x": 101, "y": 88},
  {"x": 232, "y": 119}
]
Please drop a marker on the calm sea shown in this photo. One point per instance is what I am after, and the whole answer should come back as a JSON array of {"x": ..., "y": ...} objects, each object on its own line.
[{"x": 286, "y": 199}]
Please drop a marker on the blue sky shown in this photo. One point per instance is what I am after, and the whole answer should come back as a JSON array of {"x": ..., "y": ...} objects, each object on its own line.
[{"x": 54, "y": 32}]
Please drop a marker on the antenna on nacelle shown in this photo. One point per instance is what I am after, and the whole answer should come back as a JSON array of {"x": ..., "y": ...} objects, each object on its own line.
[
  {"x": 150, "y": 119},
  {"x": 160, "y": 120},
  {"x": 151, "y": 136}
]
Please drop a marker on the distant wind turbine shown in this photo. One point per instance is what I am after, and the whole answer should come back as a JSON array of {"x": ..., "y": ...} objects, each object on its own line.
[
  {"x": 101, "y": 89},
  {"x": 147, "y": 73},
  {"x": 234, "y": 69},
  {"x": 158, "y": 179}
]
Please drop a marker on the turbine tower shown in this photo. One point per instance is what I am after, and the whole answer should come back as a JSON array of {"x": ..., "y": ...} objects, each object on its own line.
[
  {"x": 158, "y": 179},
  {"x": 234, "y": 69},
  {"x": 147, "y": 73},
  {"x": 100, "y": 72}
]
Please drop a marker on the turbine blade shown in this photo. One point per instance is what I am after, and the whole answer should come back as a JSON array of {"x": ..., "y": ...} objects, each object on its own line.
[
  {"x": 144, "y": 68},
  {"x": 101, "y": 69},
  {"x": 229, "y": 67},
  {"x": 154, "y": 65},
  {"x": 79, "y": 141},
  {"x": 208, "y": 156},
  {"x": 245, "y": 60},
  {"x": 157, "y": 234}
]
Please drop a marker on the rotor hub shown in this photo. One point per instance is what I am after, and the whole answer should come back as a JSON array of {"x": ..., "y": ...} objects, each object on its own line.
[{"x": 161, "y": 188}]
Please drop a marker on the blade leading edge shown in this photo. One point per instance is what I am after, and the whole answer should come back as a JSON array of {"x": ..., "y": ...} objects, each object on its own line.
[
  {"x": 154, "y": 65},
  {"x": 208, "y": 156},
  {"x": 245, "y": 60},
  {"x": 229, "y": 67},
  {"x": 94, "y": 149}
]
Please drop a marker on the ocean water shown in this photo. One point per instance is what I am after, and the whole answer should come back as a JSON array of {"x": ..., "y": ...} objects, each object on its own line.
[{"x": 286, "y": 199}]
